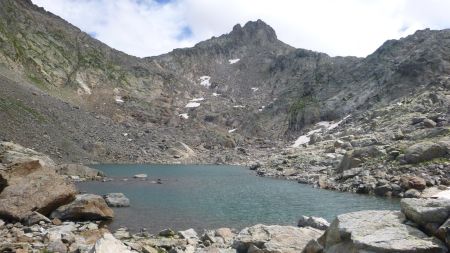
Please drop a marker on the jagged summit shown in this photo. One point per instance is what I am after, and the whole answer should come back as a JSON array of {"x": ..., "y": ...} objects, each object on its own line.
[{"x": 254, "y": 30}]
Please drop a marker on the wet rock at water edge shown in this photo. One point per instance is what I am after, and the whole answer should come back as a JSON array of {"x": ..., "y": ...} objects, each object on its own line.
[{"x": 117, "y": 200}]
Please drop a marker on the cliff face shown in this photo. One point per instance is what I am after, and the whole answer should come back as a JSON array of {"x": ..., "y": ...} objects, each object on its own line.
[{"x": 72, "y": 96}]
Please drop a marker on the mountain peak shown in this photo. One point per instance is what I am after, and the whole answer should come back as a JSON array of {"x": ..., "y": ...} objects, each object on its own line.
[{"x": 252, "y": 30}]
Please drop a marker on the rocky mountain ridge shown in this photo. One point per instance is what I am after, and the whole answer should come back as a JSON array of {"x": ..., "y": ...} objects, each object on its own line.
[{"x": 231, "y": 99}]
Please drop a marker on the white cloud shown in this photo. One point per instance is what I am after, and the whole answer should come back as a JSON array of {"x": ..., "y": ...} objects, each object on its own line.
[{"x": 345, "y": 27}]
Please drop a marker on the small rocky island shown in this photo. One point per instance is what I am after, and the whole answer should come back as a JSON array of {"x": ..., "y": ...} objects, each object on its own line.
[{"x": 41, "y": 211}]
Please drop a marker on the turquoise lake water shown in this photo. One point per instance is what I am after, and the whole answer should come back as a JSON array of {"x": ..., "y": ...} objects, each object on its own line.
[{"x": 210, "y": 196}]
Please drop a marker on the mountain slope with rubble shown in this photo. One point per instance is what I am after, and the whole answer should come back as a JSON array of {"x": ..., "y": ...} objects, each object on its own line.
[{"x": 343, "y": 123}]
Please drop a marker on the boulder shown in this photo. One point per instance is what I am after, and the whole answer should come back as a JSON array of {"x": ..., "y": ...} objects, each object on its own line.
[
  {"x": 356, "y": 157},
  {"x": 84, "y": 207},
  {"x": 424, "y": 151},
  {"x": 117, "y": 200},
  {"x": 413, "y": 182},
  {"x": 32, "y": 186},
  {"x": 429, "y": 123},
  {"x": 225, "y": 233},
  {"x": 188, "y": 234},
  {"x": 314, "y": 222},
  {"x": 274, "y": 239},
  {"x": 425, "y": 211},
  {"x": 109, "y": 244},
  {"x": 377, "y": 232},
  {"x": 11, "y": 153},
  {"x": 78, "y": 170},
  {"x": 383, "y": 190}
]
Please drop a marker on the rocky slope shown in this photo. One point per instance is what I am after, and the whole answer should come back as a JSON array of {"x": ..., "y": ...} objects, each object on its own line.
[{"x": 240, "y": 97}]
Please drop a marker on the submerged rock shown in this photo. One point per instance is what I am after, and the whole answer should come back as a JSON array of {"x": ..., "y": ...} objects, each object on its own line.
[
  {"x": 274, "y": 239},
  {"x": 84, "y": 207},
  {"x": 117, "y": 200}
]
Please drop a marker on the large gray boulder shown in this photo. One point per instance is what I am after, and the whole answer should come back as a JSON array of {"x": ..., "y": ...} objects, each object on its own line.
[
  {"x": 377, "y": 232},
  {"x": 425, "y": 151},
  {"x": 84, "y": 207},
  {"x": 428, "y": 213},
  {"x": 274, "y": 239},
  {"x": 78, "y": 170},
  {"x": 32, "y": 186}
]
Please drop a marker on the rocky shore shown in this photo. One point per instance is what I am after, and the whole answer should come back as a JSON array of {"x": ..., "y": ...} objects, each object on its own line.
[
  {"x": 41, "y": 211},
  {"x": 401, "y": 150}
]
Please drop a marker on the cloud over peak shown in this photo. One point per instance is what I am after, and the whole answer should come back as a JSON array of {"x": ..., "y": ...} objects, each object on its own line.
[{"x": 348, "y": 27}]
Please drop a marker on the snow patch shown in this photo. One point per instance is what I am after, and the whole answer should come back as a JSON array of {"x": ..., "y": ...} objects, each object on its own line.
[
  {"x": 255, "y": 89},
  {"x": 232, "y": 130},
  {"x": 204, "y": 80},
  {"x": 261, "y": 108},
  {"x": 119, "y": 99},
  {"x": 238, "y": 106},
  {"x": 192, "y": 105},
  {"x": 197, "y": 99},
  {"x": 184, "y": 115},
  {"x": 327, "y": 125},
  {"x": 216, "y": 94},
  {"x": 233, "y": 61},
  {"x": 304, "y": 139},
  {"x": 125, "y": 134}
]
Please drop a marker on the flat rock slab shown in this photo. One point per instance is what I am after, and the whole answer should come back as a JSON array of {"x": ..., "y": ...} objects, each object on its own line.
[
  {"x": 425, "y": 211},
  {"x": 32, "y": 186},
  {"x": 274, "y": 239},
  {"x": 378, "y": 232},
  {"x": 117, "y": 200}
]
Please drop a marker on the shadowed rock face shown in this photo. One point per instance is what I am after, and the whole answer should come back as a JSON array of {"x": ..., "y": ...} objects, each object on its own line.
[{"x": 31, "y": 187}]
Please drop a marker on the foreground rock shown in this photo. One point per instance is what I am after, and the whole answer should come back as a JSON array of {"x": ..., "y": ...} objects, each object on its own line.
[
  {"x": 274, "y": 239},
  {"x": 432, "y": 215},
  {"x": 77, "y": 170},
  {"x": 84, "y": 207},
  {"x": 30, "y": 186},
  {"x": 117, "y": 200},
  {"x": 11, "y": 153},
  {"x": 377, "y": 231},
  {"x": 109, "y": 244}
]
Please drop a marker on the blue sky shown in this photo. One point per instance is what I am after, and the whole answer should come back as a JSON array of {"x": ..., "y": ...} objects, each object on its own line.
[{"x": 344, "y": 27}]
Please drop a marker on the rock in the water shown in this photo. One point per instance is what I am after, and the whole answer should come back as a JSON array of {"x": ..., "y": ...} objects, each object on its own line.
[
  {"x": 84, "y": 207},
  {"x": 109, "y": 244},
  {"x": 425, "y": 211},
  {"x": 140, "y": 176},
  {"x": 377, "y": 232},
  {"x": 78, "y": 170},
  {"x": 117, "y": 200},
  {"x": 275, "y": 239},
  {"x": 314, "y": 222},
  {"x": 32, "y": 186}
]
